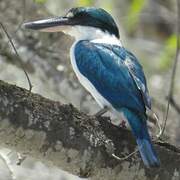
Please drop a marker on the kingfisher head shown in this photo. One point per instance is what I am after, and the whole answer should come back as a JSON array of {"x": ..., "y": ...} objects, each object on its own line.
[{"x": 80, "y": 22}]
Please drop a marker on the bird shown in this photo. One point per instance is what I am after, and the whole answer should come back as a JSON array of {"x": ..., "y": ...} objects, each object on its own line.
[{"x": 106, "y": 69}]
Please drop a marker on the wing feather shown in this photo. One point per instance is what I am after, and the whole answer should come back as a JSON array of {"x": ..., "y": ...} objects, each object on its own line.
[{"x": 106, "y": 68}]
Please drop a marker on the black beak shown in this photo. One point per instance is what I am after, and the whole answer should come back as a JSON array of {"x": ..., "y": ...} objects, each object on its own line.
[{"x": 49, "y": 25}]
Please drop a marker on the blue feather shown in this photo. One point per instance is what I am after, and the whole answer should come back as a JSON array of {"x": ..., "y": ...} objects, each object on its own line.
[
  {"x": 117, "y": 75},
  {"x": 109, "y": 75},
  {"x": 138, "y": 125}
]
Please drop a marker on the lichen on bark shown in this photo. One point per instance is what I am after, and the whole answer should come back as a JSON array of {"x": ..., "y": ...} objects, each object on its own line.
[{"x": 75, "y": 141}]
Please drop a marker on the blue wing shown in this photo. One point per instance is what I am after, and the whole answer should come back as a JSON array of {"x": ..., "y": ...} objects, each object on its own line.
[
  {"x": 115, "y": 73},
  {"x": 137, "y": 74},
  {"x": 119, "y": 78}
]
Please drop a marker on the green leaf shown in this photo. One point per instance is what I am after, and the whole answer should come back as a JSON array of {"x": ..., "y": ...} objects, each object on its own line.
[
  {"x": 133, "y": 13},
  {"x": 168, "y": 53},
  {"x": 86, "y": 2},
  {"x": 107, "y": 5},
  {"x": 40, "y": 1}
]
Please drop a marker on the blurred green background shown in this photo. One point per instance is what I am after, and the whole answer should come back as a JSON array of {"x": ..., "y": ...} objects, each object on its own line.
[{"x": 147, "y": 28}]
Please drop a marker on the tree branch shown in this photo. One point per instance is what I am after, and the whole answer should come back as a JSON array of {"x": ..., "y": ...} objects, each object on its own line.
[
  {"x": 17, "y": 55},
  {"x": 174, "y": 104},
  {"x": 174, "y": 68},
  {"x": 76, "y": 142}
]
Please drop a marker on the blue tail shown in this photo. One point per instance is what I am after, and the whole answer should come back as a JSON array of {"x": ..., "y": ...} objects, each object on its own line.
[{"x": 140, "y": 131}]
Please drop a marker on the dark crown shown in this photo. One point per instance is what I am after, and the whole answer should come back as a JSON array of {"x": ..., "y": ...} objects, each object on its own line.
[{"x": 94, "y": 17}]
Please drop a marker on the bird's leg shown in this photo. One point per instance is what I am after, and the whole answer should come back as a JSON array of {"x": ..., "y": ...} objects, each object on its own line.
[{"x": 102, "y": 111}]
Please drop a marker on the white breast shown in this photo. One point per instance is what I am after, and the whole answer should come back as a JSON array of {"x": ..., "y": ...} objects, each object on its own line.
[
  {"x": 95, "y": 36},
  {"x": 86, "y": 83}
]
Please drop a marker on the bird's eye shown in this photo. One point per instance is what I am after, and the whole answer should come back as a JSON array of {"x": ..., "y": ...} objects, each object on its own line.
[{"x": 69, "y": 15}]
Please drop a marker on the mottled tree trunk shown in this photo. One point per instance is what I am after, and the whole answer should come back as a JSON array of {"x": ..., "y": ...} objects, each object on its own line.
[{"x": 74, "y": 141}]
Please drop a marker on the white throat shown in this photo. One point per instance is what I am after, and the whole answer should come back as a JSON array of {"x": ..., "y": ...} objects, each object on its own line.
[{"x": 93, "y": 34}]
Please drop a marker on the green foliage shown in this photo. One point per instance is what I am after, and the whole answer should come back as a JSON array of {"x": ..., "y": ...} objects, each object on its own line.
[
  {"x": 86, "y": 2},
  {"x": 133, "y": 14},
  {"x": 40, "y": 1},
  {"x": 168, "y": 53},
  {"x": 107, "y": 5}
]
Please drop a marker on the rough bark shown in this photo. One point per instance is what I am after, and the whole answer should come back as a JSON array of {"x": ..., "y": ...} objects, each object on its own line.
[{"x": 76, "y": 142}]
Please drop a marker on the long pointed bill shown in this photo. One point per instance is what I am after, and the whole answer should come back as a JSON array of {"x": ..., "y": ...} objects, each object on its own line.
[{"x": 50, "y": 25}]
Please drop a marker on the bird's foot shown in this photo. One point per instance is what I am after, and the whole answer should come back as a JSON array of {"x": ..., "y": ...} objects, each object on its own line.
[
  {"x": 125, "y": 157},
  {"x": 123, "y": 124},
  {"x": 159, "y": 126}
]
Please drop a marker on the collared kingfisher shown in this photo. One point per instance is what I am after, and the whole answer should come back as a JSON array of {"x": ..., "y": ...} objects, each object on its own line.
[{"x": 111, "y": 73}]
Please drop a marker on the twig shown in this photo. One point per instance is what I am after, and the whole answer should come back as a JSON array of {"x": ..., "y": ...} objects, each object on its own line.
[
  {"x": 12, "y": 44},
  {"x": 174, "y": 104},
  {"x": 7, "y": 162},
  {"x": 126, "y": 157},
  {"x": 170, "y": 94},
  {"x": 20, "y": 24},
  {"x": 23, "y": 16}
]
